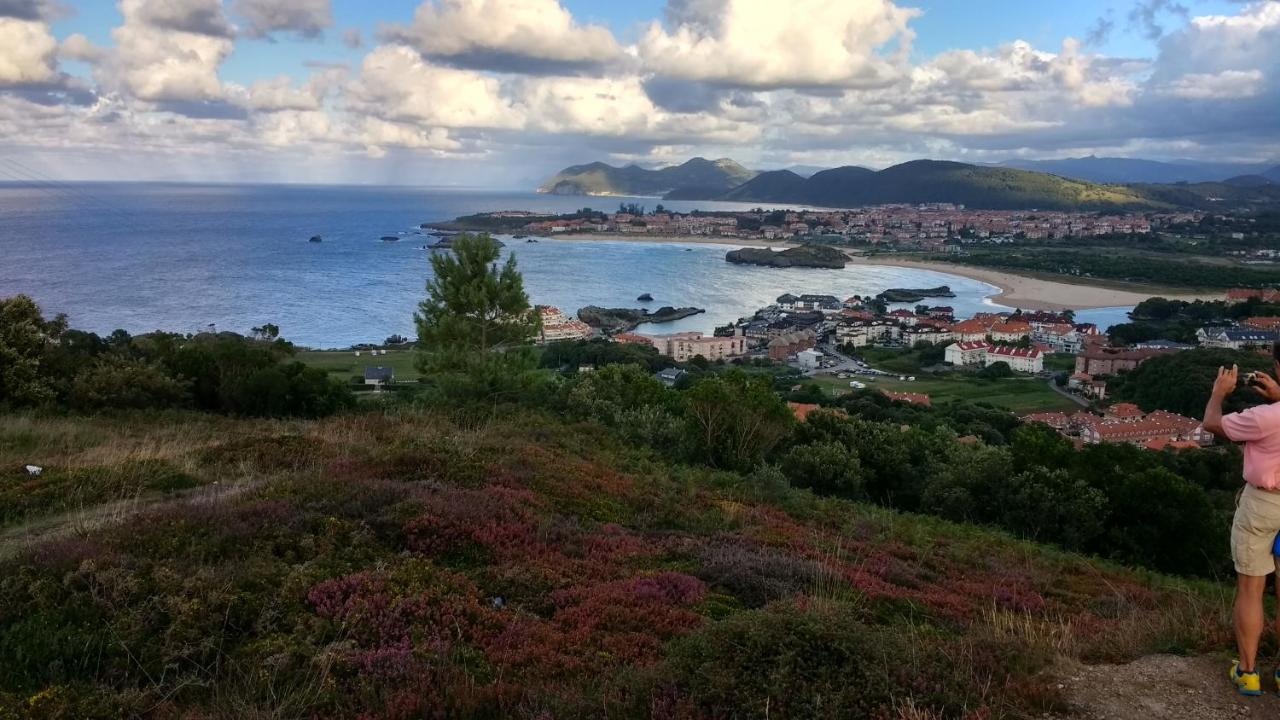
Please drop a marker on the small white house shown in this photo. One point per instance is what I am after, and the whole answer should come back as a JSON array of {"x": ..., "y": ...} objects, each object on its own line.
[
  {"x": 379, "y": 376},
  {"x": 809, "y": 359}
]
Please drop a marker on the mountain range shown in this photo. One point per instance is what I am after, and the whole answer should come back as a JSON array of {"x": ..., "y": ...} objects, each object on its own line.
[
  {"x": 926, "y": 181},
  {"x": 698, "y": 176},
  {"x": 1136, "y": 170}
]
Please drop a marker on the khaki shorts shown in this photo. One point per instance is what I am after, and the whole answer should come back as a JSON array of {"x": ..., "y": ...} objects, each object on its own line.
[{"x": 1253, "y": 532}]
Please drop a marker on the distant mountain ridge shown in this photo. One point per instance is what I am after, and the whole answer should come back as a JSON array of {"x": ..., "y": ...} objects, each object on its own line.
[
  {"x": 934, "y": 181},
  {"x": 697, "y": 176},
  {"x": 1136, "y": 170},
  {"x": 992, "y": 187}
]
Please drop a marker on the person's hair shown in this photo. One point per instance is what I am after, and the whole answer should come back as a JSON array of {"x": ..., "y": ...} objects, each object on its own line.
[{"x": 1275, "y": 351}]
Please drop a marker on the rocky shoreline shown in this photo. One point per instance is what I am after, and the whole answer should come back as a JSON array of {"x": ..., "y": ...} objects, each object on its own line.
[{"x": 627, "y": 319}]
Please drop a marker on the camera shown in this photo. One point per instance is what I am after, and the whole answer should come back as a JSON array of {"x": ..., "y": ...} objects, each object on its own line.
[{"x": 1254, "y": 379}]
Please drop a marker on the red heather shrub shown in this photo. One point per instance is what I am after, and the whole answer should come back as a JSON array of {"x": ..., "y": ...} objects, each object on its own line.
[
  {"x": 756, "y": 575},
  {"x": 398, "y": 620},
  {"x": 598, "y": 627}
]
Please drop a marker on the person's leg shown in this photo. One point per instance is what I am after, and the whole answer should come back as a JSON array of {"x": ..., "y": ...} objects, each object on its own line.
[{"x": 1249, "y": 619}]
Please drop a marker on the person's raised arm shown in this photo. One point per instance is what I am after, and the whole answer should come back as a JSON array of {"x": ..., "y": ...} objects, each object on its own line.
[{"x": 1224, "y": 385}]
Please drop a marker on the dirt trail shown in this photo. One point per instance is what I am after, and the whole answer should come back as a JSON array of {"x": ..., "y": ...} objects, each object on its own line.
[
  {"x": 17, "y": 538},
  {"x": 1163, "y": 687}
]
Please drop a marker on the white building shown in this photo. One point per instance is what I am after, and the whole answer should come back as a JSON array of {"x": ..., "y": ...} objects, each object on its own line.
[
  {"x": 962, "y": 354},
  {"x": 1027, "y": 360},
  {"x": 556, "y": 326},
  {"x": 809, "y": 359},
  {"x": 686, "y": 346}
]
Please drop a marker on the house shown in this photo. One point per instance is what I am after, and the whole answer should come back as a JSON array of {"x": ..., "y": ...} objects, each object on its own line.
[
  {"x": 860, "y": 334},
  {"x": 1123, "y": 412},
  {"x": 1100, "y": 360},
  {"x": 966, "y": 353},
  {"x": 633, "y": 339},
  {"x": 1236, "y": 338},
  {"x": 670, "y": 376},
  {"x": 1010, "y": 331},
  {"x": 1056, "y": 420},
  {"x": 1059, "y": 337},
  {"x": 1028, "y": 360},
  {"x": 809, "y": 359},
  {"x": 1262, "y": 323},
  {"x": 784, "y": 346},
  {"x": 1242, "y": 294},
  {"x": 971, "y": 330},
  {"x": 379, "y": 376},
  {"x": 803, "y": 410},
  {"x": 557, "y": 327},
  {"x": 685, "y": 346},
  {"x": 920, "y": 399},
  {"x": 1157, "y": 428}
]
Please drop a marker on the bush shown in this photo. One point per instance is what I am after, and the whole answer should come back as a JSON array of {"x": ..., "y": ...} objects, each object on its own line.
[
  {"x": 824, "y": 662},
  {"x": 124, "y": 383},
  {"x": 735, "y": 419},
  {"x": 826, "y": 467}
]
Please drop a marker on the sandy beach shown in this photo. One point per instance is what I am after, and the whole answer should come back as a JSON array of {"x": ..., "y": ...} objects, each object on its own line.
[
  {"x": 1031, "y": 293},
  {"x": 674, "y": 239},
  {"x": 1020, "y": 291}
]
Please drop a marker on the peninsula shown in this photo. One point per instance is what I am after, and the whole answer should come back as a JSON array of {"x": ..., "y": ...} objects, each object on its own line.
[
  {"x": 816, "y": 256},
  {"x": 626, "y": 319}
]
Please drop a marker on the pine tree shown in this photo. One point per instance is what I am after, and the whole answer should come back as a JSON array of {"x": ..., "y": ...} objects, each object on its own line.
[{"x": 475, "y": 325}]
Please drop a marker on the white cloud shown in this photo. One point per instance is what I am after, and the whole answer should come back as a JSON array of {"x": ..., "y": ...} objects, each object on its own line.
[
  {"x": 78, "y": 47},
  {"x": 395, "y": 83},
  {"x": 279, "y": 94},
  {"x": 307, "y": 18},
  {"x": 764, "y": 43},
  {"x": 28, "y": 52},
  {"x": 507, "y": 35},
  {"x": 1225, "y": 85},
  {"x": 163, "y": 52}
]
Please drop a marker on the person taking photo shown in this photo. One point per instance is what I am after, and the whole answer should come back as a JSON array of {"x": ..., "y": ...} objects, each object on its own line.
[{"x": 1257, "y": 517}]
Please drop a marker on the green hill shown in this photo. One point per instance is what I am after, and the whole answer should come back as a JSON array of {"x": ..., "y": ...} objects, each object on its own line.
[
  {"x": 697, "y": 176},
  {"x": 772, "y": 186},
  {"x": 933, "y": 181},
  {"x": 407, "y": 564}
]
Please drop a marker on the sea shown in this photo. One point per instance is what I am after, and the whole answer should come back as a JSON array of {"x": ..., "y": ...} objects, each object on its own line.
[{"x": 191, "y": 258}]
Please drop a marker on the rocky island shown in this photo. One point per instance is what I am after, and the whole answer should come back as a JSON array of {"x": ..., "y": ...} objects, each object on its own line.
[
  {"x": 625, "y": 319},
  {"x": 911, "y": 295},
  {"x": 817, "y": 256}
]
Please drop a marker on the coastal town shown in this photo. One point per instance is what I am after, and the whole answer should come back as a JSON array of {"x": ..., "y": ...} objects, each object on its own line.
[
  {"x": 922, "y": 225},
  {"x": 825, "y": 338}
]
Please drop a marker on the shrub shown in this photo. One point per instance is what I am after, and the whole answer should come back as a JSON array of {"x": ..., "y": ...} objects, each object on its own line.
[
  {"x": 116, "y": 382},
  {"x": 788, "y": 660}
]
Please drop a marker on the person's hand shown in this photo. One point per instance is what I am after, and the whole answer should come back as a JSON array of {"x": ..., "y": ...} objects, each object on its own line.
[
  {"x": 1266, "y": 386},
  {"x": 1226, "y": 382}
]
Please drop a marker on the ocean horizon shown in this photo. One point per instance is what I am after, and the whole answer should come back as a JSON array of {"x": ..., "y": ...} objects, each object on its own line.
[{"x": 193, "y": 257}]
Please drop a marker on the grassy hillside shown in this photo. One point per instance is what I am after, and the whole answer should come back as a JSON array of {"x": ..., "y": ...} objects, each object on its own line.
[
  {"x": 772, "y": 186},
  {"x": 408, "y": 563},
  {"x": 706, "y": 176},
  {"x": 926, "y": 181}
]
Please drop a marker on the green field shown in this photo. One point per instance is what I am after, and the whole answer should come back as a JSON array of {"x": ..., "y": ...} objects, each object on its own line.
[
  {"x": 344, "y": 363},
  {"x": 1020, "y": 395}
]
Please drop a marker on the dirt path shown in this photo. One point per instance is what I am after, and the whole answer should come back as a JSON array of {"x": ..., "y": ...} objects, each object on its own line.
[
  {"x": 1163, "y": 687},
  {"x": 17, "y": 538}
]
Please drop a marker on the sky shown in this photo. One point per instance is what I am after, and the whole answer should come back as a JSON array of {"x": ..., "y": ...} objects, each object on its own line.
[{"x": 502, "y": 93}]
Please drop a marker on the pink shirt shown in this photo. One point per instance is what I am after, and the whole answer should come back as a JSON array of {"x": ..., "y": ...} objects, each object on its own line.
[{"x": 1259, "y": 429}]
